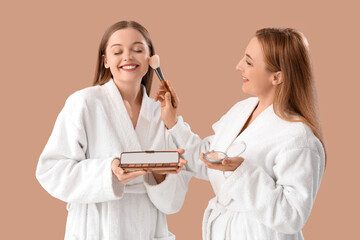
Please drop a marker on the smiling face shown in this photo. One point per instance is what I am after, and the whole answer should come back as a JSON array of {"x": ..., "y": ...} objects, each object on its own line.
[
  {"x": 257, "y": 79},
  {"x": 127, "y": 56}
]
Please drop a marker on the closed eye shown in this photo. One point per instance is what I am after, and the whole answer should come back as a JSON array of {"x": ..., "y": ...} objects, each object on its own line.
[{"x": 248, "y": 63}]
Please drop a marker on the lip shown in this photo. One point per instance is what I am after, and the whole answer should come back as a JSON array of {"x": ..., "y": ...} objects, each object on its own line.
[
  {"x": 130, "y": 67},
  {"x": 245, "y": 79}
]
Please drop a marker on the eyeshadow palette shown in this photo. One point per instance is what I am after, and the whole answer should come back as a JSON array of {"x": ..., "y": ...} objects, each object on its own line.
[{"x": 149, "y": 160}]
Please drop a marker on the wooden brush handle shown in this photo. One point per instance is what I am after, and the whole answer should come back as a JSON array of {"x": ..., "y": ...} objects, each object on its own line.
[{"x": 173, "y": 102}]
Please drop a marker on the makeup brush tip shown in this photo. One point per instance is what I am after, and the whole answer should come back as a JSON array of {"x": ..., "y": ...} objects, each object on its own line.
[{"x": 154, "y": 61}]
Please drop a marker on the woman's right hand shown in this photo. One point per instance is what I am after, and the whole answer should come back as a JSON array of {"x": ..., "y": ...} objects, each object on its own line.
[
  {"x": 124, "y": 177},
  {"x": 168, "y": 112}
]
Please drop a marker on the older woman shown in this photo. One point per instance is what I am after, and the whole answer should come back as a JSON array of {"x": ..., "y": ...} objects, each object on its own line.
[{"x": 266, "y": 192}]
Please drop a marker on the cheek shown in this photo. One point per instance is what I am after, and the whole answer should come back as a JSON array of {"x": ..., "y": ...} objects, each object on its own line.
[
  {"x": 145, "y": 62},
  {"x": 144, "y": 69},
  {"x": 111, "y": 60},
  {"x": 257, "y": 74}
]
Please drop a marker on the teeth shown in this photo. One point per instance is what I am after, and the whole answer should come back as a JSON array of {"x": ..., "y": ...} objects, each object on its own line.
[{"x": 129, "y": 67}]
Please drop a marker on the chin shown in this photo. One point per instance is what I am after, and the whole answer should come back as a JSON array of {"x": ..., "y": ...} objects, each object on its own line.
[
  {"x": 248, "y": 91},
  {"x": 244, "y": 89}
]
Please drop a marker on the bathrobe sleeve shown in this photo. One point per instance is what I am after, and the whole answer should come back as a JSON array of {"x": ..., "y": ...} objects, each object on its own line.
[
  {"x": 63, "y": 169},
  {"x": 193, "y": 145},
  {"x": 283, "y": 203},
  {"x": 169, "y": 195}
]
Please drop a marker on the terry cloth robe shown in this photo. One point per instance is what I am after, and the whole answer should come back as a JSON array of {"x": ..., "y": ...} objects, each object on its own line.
[
  {"x": 92, "y": 129},
  {"x": 270, "y": 195}
]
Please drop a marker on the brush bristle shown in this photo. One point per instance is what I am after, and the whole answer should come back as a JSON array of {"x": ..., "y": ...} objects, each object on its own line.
[{"x": 154, "y": 61}]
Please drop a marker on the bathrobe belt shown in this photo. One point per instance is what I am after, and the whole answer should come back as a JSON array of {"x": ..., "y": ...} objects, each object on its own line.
[
  {"x": 135, "y": 188},
  {"x": 217, "y": 206}
]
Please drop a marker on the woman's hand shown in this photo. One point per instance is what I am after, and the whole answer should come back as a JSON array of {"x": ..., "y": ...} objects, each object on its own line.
[
  {"x": 168, "y": 112},
  {"x": 124, "y": 177},
  {"x": 160, "y": 175},
  {"x": 228, "y": 164}
]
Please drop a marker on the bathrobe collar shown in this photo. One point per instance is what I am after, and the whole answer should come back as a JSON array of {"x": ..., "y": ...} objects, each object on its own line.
[
  {"x": 225, "y": 134},
  {"x": 125, "y": 126}
]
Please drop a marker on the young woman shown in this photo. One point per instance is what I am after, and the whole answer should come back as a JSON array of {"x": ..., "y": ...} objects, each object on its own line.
[
  {"x": 79, "y": 164},
  {"x": 266, "y": 192}
]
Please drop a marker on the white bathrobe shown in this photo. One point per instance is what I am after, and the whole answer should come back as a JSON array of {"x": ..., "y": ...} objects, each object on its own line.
[
  {"x": 92, "y": 129},
  {"x": 270, "y": 195}
]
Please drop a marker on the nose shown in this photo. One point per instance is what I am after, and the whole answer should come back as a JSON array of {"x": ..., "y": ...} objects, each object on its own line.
[
  {"x": 127, "y": 55},
  {"x": 239, "y": 66}
]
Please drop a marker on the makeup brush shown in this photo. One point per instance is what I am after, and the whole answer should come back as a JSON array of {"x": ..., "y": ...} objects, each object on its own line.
[{"x": 154, "y": 63}]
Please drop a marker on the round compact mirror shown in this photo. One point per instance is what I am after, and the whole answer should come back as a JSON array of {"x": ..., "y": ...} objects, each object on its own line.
[
  {"x": 236, "y": 149},
  {"x": 215, "y": 156},
  {"x": 233, "y": 151}
]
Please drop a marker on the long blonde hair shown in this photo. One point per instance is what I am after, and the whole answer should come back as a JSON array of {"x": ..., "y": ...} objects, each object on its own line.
[
  {"x": 287, "y": 50},
  {"x": 102, "y": 74}
]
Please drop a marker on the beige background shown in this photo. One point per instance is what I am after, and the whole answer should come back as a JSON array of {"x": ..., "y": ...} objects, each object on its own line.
[{"x": 48, "y": 51}]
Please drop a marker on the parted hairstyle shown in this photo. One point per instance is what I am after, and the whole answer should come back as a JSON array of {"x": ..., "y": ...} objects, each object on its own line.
[{"x": 102, "y": 74}]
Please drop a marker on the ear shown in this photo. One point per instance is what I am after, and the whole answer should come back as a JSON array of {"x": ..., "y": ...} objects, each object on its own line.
[
  {"x": 105, "y": 61},
  {"x": 277, "y": 78}
]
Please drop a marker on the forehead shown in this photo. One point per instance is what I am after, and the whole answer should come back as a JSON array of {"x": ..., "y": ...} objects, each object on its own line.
[
  {"x": 254, "y": 49},
  {"x": 126, "y": 36}
]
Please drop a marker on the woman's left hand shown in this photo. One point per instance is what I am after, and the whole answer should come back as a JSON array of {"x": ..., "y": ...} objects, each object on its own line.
[{"x": 228, "y": 164}]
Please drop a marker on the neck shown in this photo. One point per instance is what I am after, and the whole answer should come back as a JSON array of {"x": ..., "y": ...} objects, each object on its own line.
[
  {"x": 265, "y": 102},
  {"x": 130, "y": 92}
]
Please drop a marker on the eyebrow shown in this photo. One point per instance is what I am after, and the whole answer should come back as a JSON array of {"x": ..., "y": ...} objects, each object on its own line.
[
  {"x": 249, "y": 56},
  {"x": 118, "y": 44}
]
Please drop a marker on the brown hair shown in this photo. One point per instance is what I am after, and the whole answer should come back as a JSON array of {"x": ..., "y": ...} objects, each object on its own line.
[
  {"x": 102, "y": 74},
  {"x": 287, "y": 50}
]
